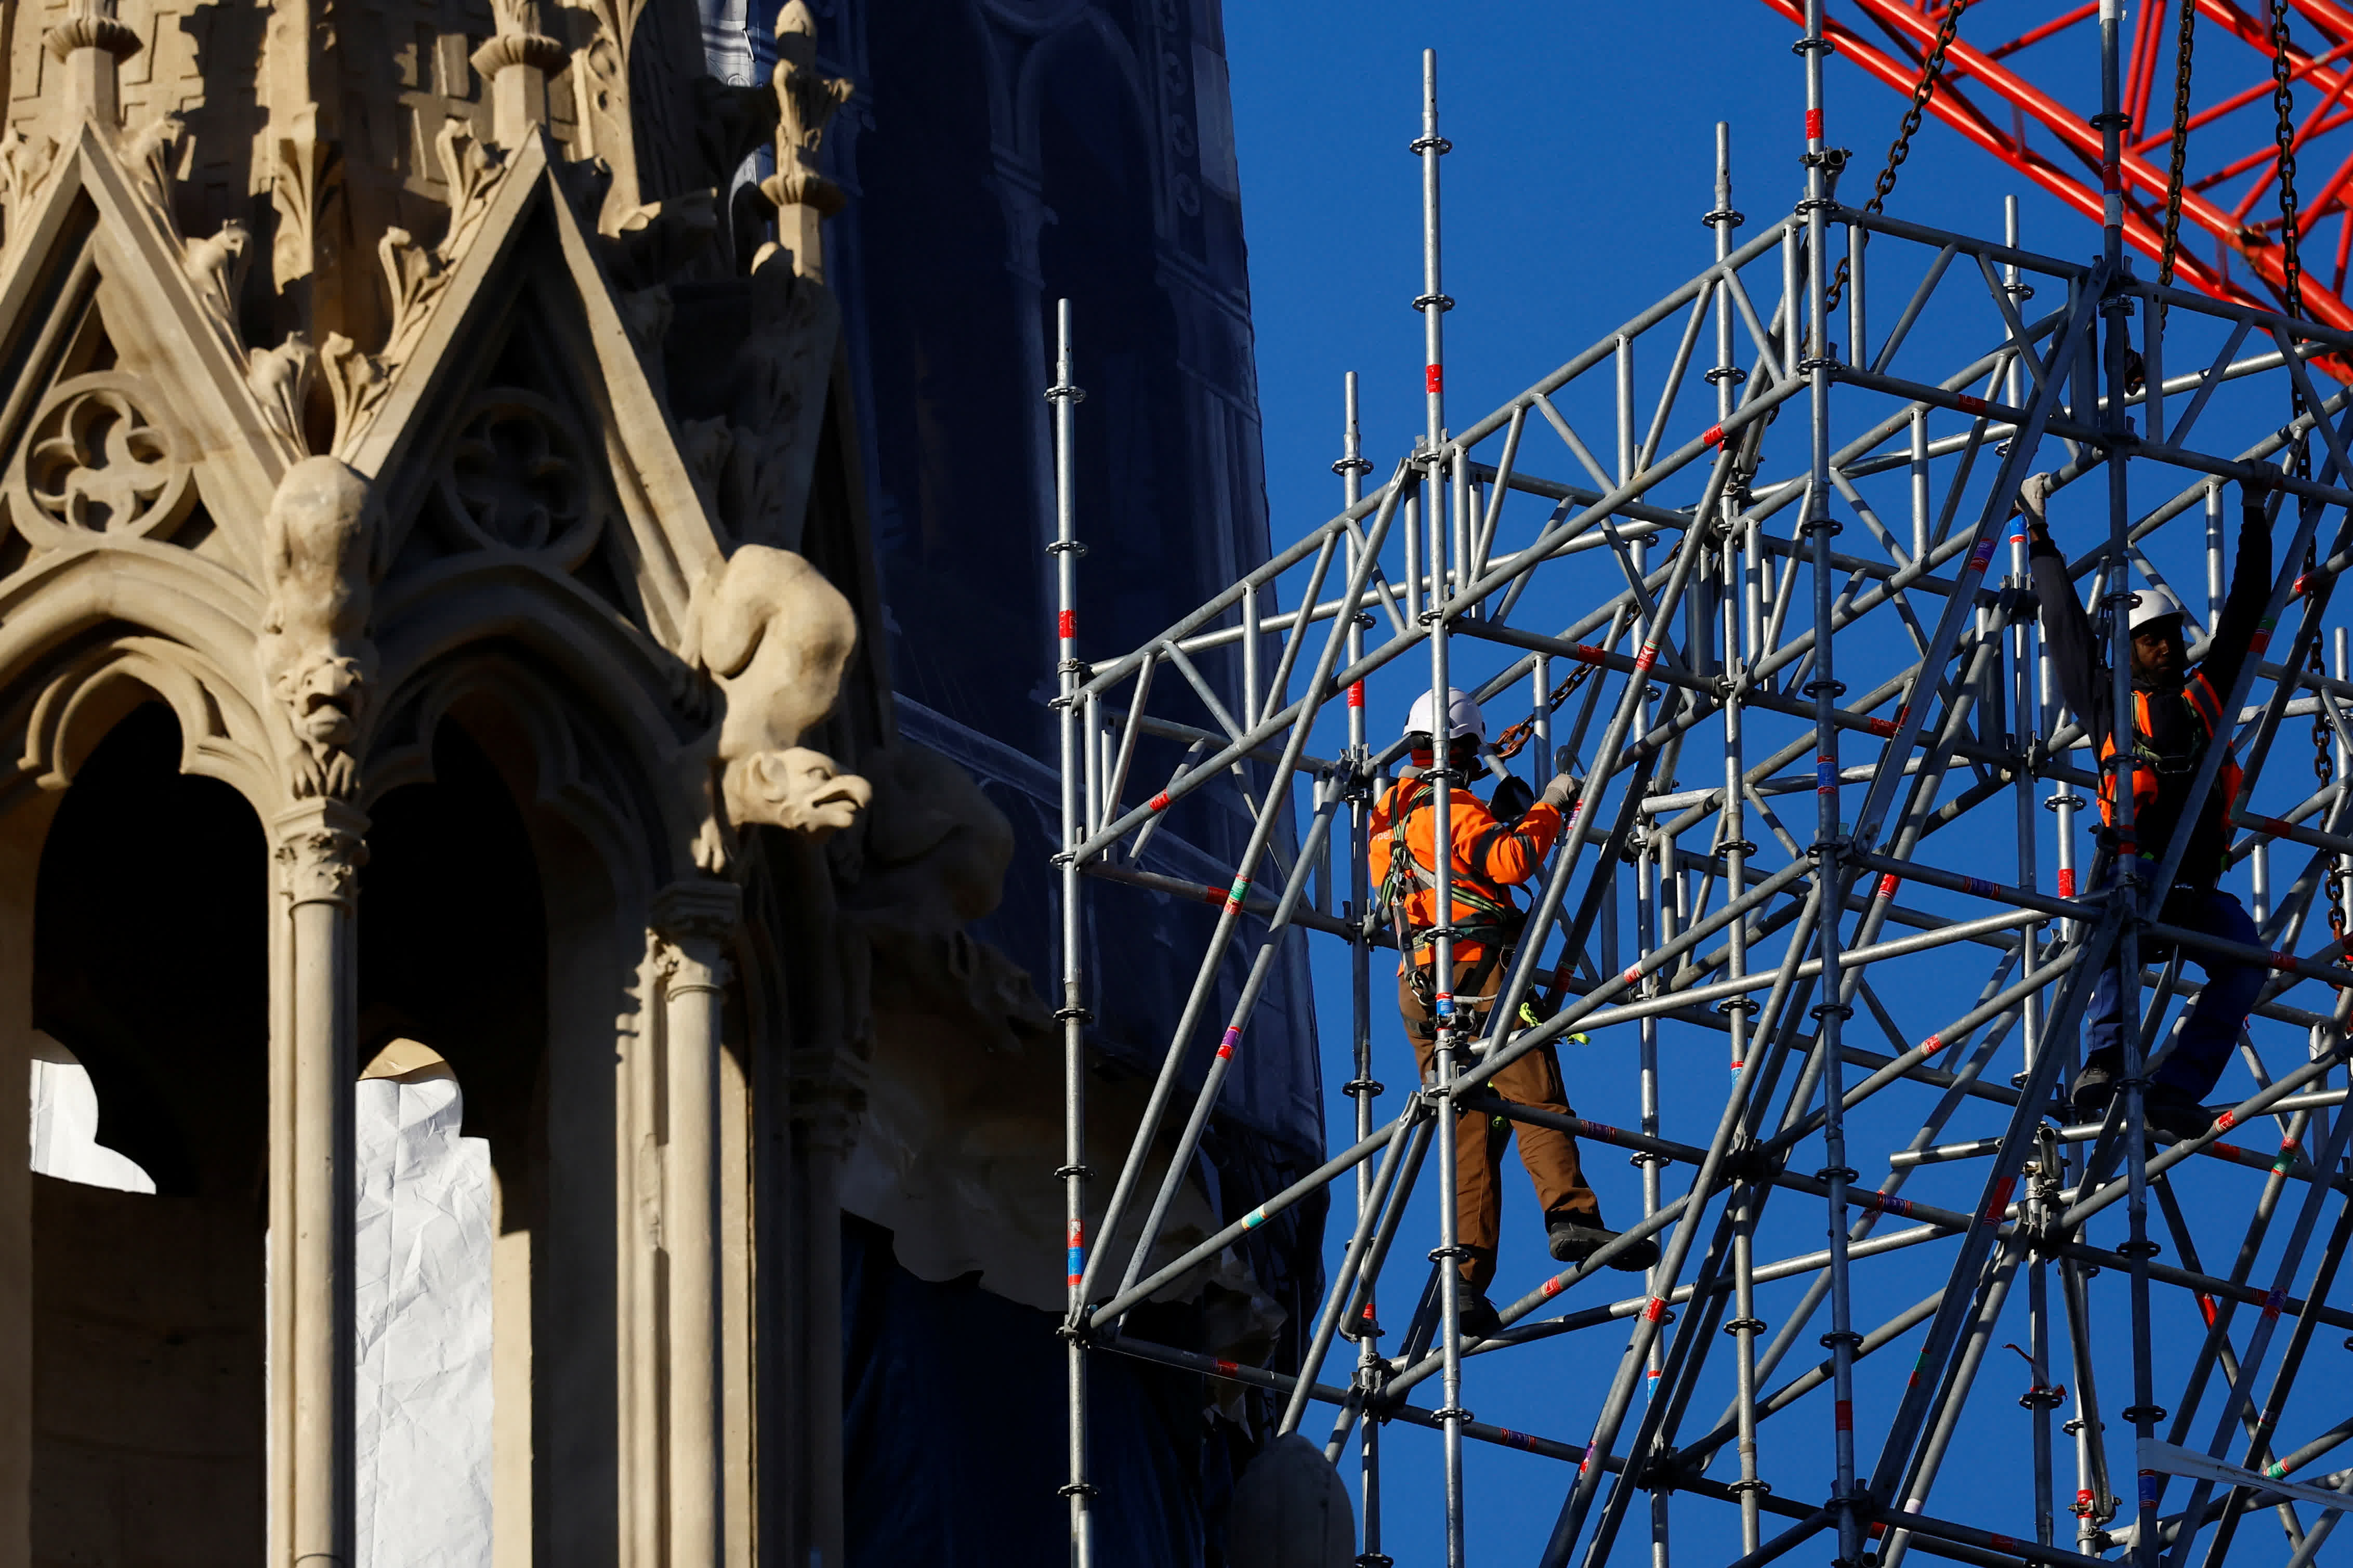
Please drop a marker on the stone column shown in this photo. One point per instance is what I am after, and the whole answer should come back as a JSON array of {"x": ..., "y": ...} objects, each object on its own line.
[
  {"x": 319, "y": 849},
  {"x": 693, "y": 921}
]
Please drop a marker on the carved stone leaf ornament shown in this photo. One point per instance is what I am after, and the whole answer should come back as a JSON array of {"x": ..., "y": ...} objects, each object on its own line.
[
  {"x": 26, "y": 164},
  {"x": 516, "y": 480},
  {"x": 98, "y": 461}
]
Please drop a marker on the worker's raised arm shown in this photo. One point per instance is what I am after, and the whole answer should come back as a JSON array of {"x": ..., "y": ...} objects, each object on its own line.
[
  {"x": 2251, "y": 591},
  {"x": 2066, "y": 629}
]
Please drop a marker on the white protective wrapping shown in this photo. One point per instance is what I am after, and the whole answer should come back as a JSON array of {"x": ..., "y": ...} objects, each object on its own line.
[
  {"x": 422, "y": 1264},
  {"x": 64, "y": 1125}
]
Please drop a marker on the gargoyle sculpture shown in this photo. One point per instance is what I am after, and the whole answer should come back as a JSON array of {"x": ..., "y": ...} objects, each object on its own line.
[
  {"x": 318, "y": 565},
  {"x": 775, "y": 636}
]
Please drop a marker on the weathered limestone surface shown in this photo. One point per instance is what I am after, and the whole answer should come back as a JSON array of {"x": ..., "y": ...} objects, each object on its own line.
[{"x": 401, "y": 414}]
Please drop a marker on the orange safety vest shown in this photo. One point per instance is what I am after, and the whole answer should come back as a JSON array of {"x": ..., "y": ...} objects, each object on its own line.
[
  {"x": 2145, "y": 779},
  {"x": 1487, "y": 858}
]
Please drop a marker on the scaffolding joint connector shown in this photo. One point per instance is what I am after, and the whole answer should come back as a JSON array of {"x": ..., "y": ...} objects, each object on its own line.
[
  {"x": 1067, "y": 1015},
  {"x": 2138, "y": 1414},
  {"x": 1071, "y": 545},
  {"x": 1752, "y": 1161},
  {"x": 1811, "y": 46},
  {"x": 1444, "y": 303},
  {"x": 1079, "y": 1489},
  {"x": 1370, "y": 1088},
  {"x": 1745, "y": 1326},
  {"x": 1846, "y": 1337},
  {"x": 1727, "y": 217},
  {"x": 1083, "y": 1172},
  {"x": 1829, "y": 362},
  {"x": 1837, "y": 1173},
  {"x": 1438, "y": 144}
]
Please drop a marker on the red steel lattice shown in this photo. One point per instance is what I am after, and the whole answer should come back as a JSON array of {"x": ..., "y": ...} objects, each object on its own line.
[{"x": 2044, "y": 129}]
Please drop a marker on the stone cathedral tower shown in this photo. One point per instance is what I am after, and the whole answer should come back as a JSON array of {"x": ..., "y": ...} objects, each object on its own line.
[{"x": 431, "y": 587}]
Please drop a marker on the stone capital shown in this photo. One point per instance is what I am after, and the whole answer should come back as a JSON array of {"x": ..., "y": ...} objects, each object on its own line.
[
  {"x": 319, "y": 847},
  {"x": 692, "y": 921}
]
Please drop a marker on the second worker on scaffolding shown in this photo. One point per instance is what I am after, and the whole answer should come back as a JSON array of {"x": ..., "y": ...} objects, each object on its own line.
[{"x": 2178, "y": 713}]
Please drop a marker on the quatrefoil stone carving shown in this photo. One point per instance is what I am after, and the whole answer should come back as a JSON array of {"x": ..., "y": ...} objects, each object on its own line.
[{"x": 96, "y": 461}]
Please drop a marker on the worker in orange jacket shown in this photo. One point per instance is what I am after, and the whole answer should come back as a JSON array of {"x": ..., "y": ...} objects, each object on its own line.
[{"x": 1493, "y": 848}]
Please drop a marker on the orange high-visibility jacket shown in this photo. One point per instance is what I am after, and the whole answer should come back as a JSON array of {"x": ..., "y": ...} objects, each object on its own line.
[
  {"x": 2198, "y": 694},
  {"x": 1488, "y": 857}
]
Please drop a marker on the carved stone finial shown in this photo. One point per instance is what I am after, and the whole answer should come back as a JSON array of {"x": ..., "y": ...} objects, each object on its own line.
[
  {"x": 806, "y": 100},
  {"x": 91, "y": 46},
  {"x": 775, "y": 636},
  {"x": 517, "y": 64},
  {"x": 318, "y": 562}
]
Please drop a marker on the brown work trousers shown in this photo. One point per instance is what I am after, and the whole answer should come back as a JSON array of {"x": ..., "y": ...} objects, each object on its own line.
[{"x": 1550, "y": 1156}]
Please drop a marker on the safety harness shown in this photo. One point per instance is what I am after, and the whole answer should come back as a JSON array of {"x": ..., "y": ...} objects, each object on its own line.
[
  {"x": 2149, "y": 766},
  {"x": 1480, "y": 914}
]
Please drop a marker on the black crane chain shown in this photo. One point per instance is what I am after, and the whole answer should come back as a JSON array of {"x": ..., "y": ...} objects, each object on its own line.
[
  {"x": 2181, "y": 153},
  {"x": 2284, "y": 101},
  {"x": 1931, "y": 69}
]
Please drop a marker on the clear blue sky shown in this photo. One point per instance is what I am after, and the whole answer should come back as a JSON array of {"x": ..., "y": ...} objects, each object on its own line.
[{"x": 1583, "y": 159}]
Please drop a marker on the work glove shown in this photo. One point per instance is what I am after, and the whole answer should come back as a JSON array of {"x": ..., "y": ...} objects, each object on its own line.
[
  {"x": 2032, "y": 493},
  {"x": 1565, "y": 786}
]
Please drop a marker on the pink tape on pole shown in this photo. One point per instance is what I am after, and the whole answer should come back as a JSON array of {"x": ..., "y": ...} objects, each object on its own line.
[{"x": 1225, "y": 1046}]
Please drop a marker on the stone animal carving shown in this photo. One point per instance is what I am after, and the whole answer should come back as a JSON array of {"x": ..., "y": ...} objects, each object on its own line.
[
  {"x": 318, "y": 565},
  {"x": 931, "y": 860},
  {"x": 775, "y": 636}
]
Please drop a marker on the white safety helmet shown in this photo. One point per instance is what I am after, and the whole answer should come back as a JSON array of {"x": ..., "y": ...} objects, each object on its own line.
[
  {"x": 1462, "y": 717},
  {"x": 2152, "y": 604}
]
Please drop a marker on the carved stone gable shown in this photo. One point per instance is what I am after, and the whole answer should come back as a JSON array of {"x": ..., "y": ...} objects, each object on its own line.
[{"x": 94, "y": 448}]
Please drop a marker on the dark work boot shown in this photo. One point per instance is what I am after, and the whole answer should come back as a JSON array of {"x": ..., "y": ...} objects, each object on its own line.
[
  {"x": 1574, "y": 1238},
  {"x": 1480, "y": 1318},
  {"x": 2095, "y": 1086}
]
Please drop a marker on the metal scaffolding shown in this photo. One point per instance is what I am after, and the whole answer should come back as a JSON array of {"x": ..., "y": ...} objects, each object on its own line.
[{"x": 1721, "y": 636}]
